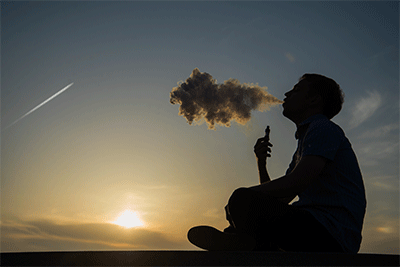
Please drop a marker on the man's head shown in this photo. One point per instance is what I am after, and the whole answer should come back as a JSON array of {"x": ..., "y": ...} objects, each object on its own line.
[
  {"x": 329, "y": 90},
  {"x": 313, "y": 94}
]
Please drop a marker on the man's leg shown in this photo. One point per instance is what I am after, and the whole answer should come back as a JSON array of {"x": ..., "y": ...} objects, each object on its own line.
[
  {"x": 299, "y": 231},
  {"x": 209, "y": 238},
  {"x": 250, "y": 212},
  {"x": 273, "y": 224}
]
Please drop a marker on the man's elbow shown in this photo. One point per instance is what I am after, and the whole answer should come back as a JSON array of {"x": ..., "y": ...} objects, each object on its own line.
[
  {"x": 300, "y": 182},
  {"x": 299, "y": 187},
  {"x": 294, "y": 185}
]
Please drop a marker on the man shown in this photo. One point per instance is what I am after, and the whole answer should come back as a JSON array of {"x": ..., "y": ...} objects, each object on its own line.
[{"x": 324, "y": 174}]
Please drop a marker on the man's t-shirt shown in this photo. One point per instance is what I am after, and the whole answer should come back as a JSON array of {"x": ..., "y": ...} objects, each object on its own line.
[{"x": 337, "y": 197}]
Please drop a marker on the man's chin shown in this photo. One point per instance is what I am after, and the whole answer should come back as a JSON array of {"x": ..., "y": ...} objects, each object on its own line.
[{"x": 286, "y": 114}]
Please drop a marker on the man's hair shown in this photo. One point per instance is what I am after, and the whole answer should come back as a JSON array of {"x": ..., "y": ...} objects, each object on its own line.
[{"x": 331, "y": 93}]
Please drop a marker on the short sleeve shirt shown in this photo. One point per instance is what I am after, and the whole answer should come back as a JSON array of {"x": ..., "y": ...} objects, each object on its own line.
[{"x": 337, "y": 197}]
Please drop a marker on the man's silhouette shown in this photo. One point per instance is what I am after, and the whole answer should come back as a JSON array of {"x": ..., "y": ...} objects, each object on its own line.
[{"x": 324, "y": 174}]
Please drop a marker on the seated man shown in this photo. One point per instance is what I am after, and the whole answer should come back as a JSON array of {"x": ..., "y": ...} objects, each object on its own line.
[{"x": 324, "y": 174}]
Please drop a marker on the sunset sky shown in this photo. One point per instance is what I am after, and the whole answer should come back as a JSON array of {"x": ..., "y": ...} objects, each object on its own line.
[{"x": 112, "y": 146}]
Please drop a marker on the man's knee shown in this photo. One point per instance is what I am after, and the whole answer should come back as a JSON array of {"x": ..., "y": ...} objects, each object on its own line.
[
  {"x": 245, "y": 198},
  {"x": 240, "y": 200},
  {"x": 239, "y": 195},
  {"x": 243, "y": 194}
]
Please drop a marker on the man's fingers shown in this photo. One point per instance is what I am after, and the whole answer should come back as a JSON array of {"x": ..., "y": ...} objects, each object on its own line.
[
  {"x": 262, "y": 147},
  {"x": 261, "y": 143},
  {"x": 262, "y": 150}
]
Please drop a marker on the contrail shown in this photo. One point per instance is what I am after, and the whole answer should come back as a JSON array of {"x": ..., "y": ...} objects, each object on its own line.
[
  {"x": 38, "y": 106},
  {"x": 201, "y": 97}
]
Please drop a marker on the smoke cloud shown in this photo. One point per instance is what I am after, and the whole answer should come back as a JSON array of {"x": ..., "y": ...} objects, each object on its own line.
[{"x": 201, "y": 97}]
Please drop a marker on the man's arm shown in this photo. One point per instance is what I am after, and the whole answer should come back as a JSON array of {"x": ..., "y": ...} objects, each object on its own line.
[
  {"x": 289, "y": 186},
  {"x": 263, "y": 151},
  {"x": 262, "y": 170}
]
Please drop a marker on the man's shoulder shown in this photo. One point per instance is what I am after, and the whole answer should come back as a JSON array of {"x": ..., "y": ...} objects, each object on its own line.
[{"x": 323, "y": 125}]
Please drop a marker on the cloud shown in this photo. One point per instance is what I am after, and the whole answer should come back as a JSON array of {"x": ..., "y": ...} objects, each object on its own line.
[
  {"x": 380, "y": 131},
  {"x": 380, "y": 234},
  {"x": 365, "y": 108},
  {"x": 372, "y": 153},
  {"x": 290, "y": 57},
  {"x": 214, "y": 213},
  {"x": 46, "y": 235},
  {"x": 388, "y": 54},
  {"x": 389, "y": 184},
  {"x": 385, "y": 186},
  {"x": 385, "y": 230},
  {"x": 379, "y": 150}
]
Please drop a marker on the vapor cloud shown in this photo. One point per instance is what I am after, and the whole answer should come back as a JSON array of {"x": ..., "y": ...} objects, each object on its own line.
[{"x": 201, "y": 97}]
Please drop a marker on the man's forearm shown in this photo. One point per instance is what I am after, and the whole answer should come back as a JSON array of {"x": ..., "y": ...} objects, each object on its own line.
[
  {"x": 262, "y": 170},
  {"x": 283, "y": 187}
]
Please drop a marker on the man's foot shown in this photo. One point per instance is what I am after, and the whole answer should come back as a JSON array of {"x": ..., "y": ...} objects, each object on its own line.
[
  {"x": 230, "y": 229},
  {"x": 209, "y": 238}
]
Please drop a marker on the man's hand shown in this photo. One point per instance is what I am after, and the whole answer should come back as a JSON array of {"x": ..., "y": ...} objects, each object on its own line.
[
  {"x": 263, "y": 151},
  {"x": 262, "y": 148}
]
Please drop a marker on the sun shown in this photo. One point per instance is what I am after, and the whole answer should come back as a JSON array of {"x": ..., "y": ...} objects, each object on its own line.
[{"x": 128, "y": 219}]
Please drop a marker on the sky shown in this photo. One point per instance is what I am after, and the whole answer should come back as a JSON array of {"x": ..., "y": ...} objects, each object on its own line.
[{"x": 113, "y": 147}]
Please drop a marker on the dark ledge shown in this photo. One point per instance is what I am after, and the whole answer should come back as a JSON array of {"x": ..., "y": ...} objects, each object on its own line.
[{"x": 191, "y": 258}]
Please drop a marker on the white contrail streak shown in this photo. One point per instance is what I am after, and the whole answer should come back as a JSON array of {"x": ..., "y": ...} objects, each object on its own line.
[{"x": 38, "y": 106}]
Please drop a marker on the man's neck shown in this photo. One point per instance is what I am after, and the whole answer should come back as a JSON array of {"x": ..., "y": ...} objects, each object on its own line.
[{"x": 300, "y": 119}]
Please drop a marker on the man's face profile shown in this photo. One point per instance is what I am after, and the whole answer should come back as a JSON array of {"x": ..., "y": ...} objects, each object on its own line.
[{"x": 296, "y": 101}]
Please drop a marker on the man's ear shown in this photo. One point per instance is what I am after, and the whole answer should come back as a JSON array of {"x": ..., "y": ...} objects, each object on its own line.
[{"x": 316, "y": 99}]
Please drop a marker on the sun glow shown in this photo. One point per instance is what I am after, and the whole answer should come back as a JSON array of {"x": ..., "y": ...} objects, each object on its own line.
[{"x": 128, "y": 219}]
